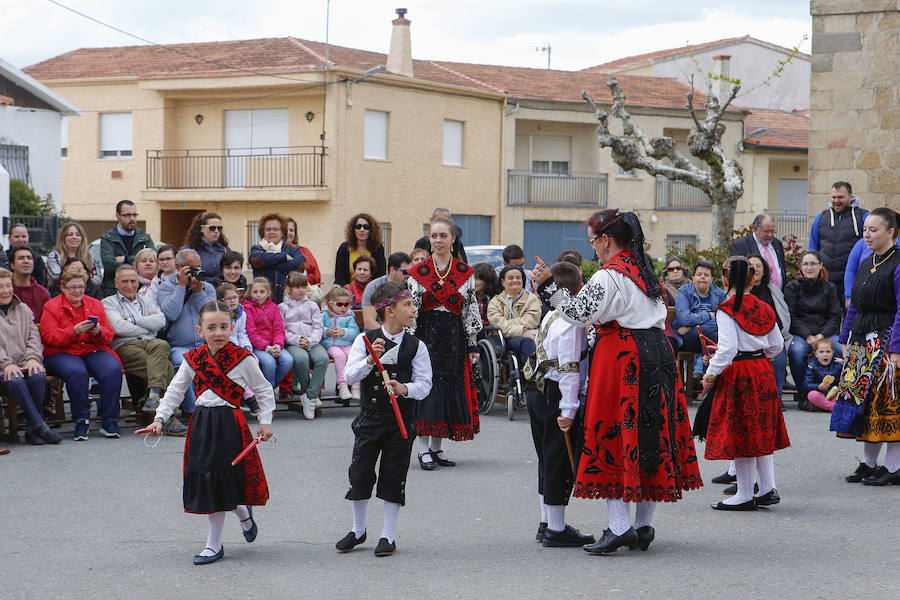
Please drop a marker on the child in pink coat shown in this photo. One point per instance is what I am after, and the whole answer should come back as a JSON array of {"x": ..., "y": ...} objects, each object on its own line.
[{"x": 265, "y": 328}]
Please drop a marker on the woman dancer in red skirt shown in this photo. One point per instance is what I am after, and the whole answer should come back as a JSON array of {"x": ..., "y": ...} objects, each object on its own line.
[
  {"x": 745, "y": 421},
  {"x": 638, "y": 446}
]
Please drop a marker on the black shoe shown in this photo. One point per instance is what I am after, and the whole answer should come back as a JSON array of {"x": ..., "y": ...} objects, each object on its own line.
[
  {"x": 427, "y": 466},
  {"x": 731, "y": 490},
  {"x": 646, "y": 534},
  {"x": 610, "y": 542},
  {"x": 48, "y": 435},
  {"x": 724, "y": 478},
  {"x": 34, "y": 438},
  {"x": 385, "y": 548},
  {"x": 567, "y": 538},
  {"x": 205, "y": 560},
  {"x": 882, "y": 477},
  {"x": 250, "y": 534},
  {"x": 349, "y": 542},
  {"x": 441, "y": 461},
  {"x": 539, "y": 536},
  {"x": 769, "y": 498},
  {"x": 748, "y": 505},
  {"x": 861, "y": 472}
]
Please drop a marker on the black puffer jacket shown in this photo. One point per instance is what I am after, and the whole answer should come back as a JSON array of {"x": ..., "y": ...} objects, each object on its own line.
[{"x": 814, "y": 307}]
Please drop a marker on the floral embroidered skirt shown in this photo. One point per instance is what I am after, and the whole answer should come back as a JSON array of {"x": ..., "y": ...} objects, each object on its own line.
[
  {"x": 216, "y": 435},
  {"x": 626, "y": 376},
  {"x": 745, "y": 419}
]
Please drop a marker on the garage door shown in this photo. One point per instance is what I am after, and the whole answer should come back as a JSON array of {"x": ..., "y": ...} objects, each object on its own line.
[{"x": 548, "y": 239}]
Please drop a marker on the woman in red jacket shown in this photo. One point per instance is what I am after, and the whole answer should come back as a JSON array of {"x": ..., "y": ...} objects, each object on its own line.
[{"x": 76, "y": 336}]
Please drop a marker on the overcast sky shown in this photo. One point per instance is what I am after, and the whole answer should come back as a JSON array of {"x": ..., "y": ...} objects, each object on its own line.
[{"x": 505, "y": 32}]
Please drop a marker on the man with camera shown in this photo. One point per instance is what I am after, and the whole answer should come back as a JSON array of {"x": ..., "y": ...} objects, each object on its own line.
[{"x": 180, "y": 298}]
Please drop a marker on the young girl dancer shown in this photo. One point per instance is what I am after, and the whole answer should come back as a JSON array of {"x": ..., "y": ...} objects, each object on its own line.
[
  {"x": 745, "y": 422},
  {"x": 220, "y": 372},
  {"x": 340, "y": 331}
]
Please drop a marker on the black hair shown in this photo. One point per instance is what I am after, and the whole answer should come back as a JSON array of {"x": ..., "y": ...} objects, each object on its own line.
[
  {"x": 231, "y": 257},
  {"x": 14, "y": 249},
  {"x": 512, "y": 252},
  {"x": 486, "y": 273},
  {"x": 215, "y": 306},
  {"x": 706, "y": 265},
  {"x": 842, "y": 184},
  {"x": 566, "y": 275},
  {"x": 889, "y": 216},
  {"x": 386, "y": 290},
  {"x": 122, "y": 203},
  {"x": 573, "y": 253},
  {"x": 509, "y": 268},
  {"x": 612, "y": 223},
  {"x": 739, "y": 272},
  {"x": 766, "y": 276},
  {"x": 396, "y": 259}
]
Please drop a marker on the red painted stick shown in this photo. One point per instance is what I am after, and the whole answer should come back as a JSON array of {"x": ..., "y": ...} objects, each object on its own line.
[
  {"x": 143, "y": 431},
  {"x": 247, "y": 450},
  {"x": 387, "y": 378}
]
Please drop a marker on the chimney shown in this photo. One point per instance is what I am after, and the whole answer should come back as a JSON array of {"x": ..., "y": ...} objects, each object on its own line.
[
  {"x": 721, "y": 88},
  {"x": 400, "y": 56}
]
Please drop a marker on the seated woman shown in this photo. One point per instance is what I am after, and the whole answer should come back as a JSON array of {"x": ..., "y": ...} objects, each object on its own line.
[
  {"x": 147, "y": 267},
  {"x": 313, "y": 274},
  {"x": 76, "y": 336},
  {"x": 771, "y": 295},
  {"x": 22, "y": 374},
  {"x": 696, "y": 305},
  {"x": 516, "y": 312},
  {"x": 674, "y": 276},
  {"x": 363, "y": 267},
  {"x": 363, "y": 238},
  {"x": 70, "y": 243},
  {"x": 165, "y": 258},
  {"x": 206, "y": 235},
  {"x": 272, "y": 258},
  {"x": 815, "y": 314},
  {"x": 486, "y": 287}
]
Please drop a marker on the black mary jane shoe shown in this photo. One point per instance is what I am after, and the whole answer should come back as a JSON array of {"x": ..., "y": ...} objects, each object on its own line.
[
  {"x": 385, "y": 548},
  {"x": 610, "y": 542},
  {"x": 731, "y": 490},
  {"x": 349, "y": 542},
  {"x": 539, "y": 536},
  {"x": 769, "y": 498},
  {"x": 427, "y": 466},
  {"x": 199, "y": 559},
  {"x": 250, "y": 534},
  {"x": 441, "y": 461},
  {"x": 744, "y": 506},
  {"x": 567, "y": 538},
  {"x": 645, "y": 534},
  {"x": 724, "y": 478},
  {"x": 882, "y": 476}
]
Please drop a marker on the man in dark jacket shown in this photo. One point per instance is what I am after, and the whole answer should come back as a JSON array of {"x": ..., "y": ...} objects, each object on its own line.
[
  {"x": 119, "y": 245},
  {"x": 763, "y": 242},
  {"x": 457, "y": 250},
  {"x": 835, "y": 231}
]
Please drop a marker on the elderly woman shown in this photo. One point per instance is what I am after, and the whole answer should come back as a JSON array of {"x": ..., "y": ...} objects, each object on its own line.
[
  {"x": 70, "y": 243},
  {"x": 363, "y": 267},
  {"x": 272, "y": 258},
  {"x": 516, "y": 311},
  {"x": 206, "y": 236},
  {"x": 674, "y": 276},
  {"x": 363, "y": 238},
  {"x": 313, "y": 274},
  {"x": 22, "y": 374},
  {"x": 76, "y": 336},
  {"x": 147, "y": 267}
]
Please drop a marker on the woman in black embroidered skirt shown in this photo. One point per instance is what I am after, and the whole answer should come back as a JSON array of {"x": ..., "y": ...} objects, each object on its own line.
[{"x": 443, "y": 291}]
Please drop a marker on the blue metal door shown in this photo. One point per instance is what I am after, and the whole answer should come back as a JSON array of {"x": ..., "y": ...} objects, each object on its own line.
[
  {"x": 548, "y": 239},
  {"x": 476, "y": 229}
]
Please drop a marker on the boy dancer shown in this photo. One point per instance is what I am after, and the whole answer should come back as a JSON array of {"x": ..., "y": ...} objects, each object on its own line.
[
  {"x": 555, "y": 412},
  {"x": 376, "y": 429}
]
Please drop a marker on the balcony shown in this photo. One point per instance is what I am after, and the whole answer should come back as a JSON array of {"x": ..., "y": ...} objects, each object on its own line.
[
  {"x": 791, "y": 222},
  {"x": 677, "y": 195},
  {"x": 295, "y": 167},
  {"x": 589, "y": 190}
]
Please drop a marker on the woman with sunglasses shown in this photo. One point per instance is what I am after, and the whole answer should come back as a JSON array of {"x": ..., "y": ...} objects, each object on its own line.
[
  {"x": 674, "y": 276},
  {"x": 363, "y": 239},
  {"x": 206, "y": 236}
]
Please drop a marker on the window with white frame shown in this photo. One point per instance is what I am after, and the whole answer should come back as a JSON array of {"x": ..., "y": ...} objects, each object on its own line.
[
  {"x": 376, "y": 134},
  {"x": 64, "y": 137},
  {"x": 453, "y": 142},
  {"x": 264, "y": 131},
  {"x": 115, "y": 135}
]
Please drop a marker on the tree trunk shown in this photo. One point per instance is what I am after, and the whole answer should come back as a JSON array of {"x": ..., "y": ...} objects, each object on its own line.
[{"x": 722, "y": 222}]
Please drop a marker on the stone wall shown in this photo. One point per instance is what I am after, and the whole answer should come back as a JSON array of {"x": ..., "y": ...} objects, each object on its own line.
[{"x": 854, "y": 131}]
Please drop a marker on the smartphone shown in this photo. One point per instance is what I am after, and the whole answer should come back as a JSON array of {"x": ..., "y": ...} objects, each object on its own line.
[{"x": 94, "y": 320}]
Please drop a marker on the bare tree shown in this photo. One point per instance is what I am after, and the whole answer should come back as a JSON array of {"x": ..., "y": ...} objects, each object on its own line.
[{"x": 722, "y": 180}]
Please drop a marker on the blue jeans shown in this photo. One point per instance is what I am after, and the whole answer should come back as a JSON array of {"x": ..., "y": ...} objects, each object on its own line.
[
  {"x": 190, "y": 399},
  {"x": 75, "y": 371},
  {"x": 779, "y": 363},
  {"x": 28, "y": 392},
  {"x": 274, "y": 369},
  {"x": 690, "y": 342},
  {"x": 798, "y": 357},
  {"x": 522, "y": 347}
]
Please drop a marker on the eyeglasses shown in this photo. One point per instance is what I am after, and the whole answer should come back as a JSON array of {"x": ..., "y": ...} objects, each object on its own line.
[
  {"x": 342, "y": 304},
  {"x": 215, "y": 227},
  {"x": 810, "y": 264},
  {"x": 271, "y": 229},
  {"x": 365, "y": 226},
  {"x": 161, "y": 259},
  {"x": 670, "y": 269},
  {"x": 128, "y": 215},
  {"x": 75, "y": 288},
  {"x": 591, "y": 240}
]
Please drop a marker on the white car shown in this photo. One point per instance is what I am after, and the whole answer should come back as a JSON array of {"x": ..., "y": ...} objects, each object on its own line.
[{"x": 492, "y": 255}]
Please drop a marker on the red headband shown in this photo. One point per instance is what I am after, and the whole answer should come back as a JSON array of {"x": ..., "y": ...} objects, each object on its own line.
[{"x": 392, "y": 299}]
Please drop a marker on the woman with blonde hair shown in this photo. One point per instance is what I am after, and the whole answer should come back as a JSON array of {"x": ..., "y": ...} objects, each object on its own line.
[{"x": 71, "y": 242}]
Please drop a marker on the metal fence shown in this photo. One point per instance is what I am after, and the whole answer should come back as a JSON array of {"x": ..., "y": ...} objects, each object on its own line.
[
  {"x": 287, "y": 167},
  {"x": 677, "y": 195},
  {"x": 42, "y": 230},
  {"x": 525, "y": 188},
  {"x": 791, "y": 222},
  {"x": 15, "y": 160}
]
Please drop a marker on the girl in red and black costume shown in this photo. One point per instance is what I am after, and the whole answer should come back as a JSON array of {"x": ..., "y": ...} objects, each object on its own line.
[
  {"x": 443, "y": 292},
  {"x": 220, "y": 372},
  {"x": 745, "y": 420},
  {"x": 638, "y": 446}
]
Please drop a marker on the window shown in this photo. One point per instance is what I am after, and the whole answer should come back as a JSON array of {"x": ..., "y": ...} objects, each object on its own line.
[
  {"x": 386, "y": 237},
  {"x": 476, "y": 229},
  {"x": 376, "y": 135},
  {"x": 681, "y": 240},
  {"x": 629, "y": 173},
  {"x": 115, "y": 135},
  {"x": 265, "y": 131},
  {"x": 453, "y": 141},
  {"x": 252, "y": 235},
  {"x": 64, "y": 137},
  {"x": 550, "y": 154}
]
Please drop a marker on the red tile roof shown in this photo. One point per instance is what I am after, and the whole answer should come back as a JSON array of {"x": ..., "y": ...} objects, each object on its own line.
[
  {"x": 290, "y": 58},
  {"x": 649, "y": 57},
  {"x": 777, "y": 129}
]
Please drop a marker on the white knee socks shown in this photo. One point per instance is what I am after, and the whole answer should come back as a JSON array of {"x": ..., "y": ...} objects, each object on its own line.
[
  {"x": 870, "y": 453},
  {"x": 556, "y": 517},
  {"x": 543, "y": 508},
  {"x": 892, "y": 457},
  {"x": 643, "y": 513},
  {"x": 765, "y": 466},
  {"x": 423, "y": 448},
  {"x": 744, "y": 468},
  {"x": 619, "y": 518},
  {"x": 359, "y": 516},
  {"x": 243, "y": 514},
  {"x": 731, "y": 470},
  {"x": 391, "y": 512},
  {"x": 214, "y": 539}
]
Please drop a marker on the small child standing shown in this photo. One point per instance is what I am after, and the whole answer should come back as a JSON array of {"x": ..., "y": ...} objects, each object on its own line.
[
  {"x": 822, "y": 374},
  {"x": 377, "y": 431},
  {"x": 556, "y": 412},
  {"x": 340, "y": 331},
  {"x": 228, "y": 293},
  {"x": 303, "y": 332},
  {"x": 220, "y": 372},
  {"x": 265, "y": 328}
]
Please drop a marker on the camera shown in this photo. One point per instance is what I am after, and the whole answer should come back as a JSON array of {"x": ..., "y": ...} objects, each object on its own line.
[{"x": 197, "y": 273}]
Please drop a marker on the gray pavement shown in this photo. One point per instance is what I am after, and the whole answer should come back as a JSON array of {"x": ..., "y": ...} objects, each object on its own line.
[{"x": 103, "y": 519}]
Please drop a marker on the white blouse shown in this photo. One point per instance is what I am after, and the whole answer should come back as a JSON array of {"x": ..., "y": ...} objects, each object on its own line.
[
  {"x": 733, "y": 339},
  {"x": 610, "y": 296},
  {"x": 358, "y": 366},
  {"x": 566, "y": 343}
]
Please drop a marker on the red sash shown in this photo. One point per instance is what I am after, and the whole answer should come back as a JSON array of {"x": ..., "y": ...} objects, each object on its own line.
[
  {"x": 444, "y": 294},
  {"x": 755, "y": 316},
  {"x": 211, "y": 372}
]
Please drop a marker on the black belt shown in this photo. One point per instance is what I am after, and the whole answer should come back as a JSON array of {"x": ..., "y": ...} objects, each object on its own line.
[{"x": 749, "y": 355}]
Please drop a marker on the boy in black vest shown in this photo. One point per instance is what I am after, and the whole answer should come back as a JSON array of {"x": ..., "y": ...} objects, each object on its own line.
[
  {"x": 555, "y": 412},
  {"x": 406, "y": 360}
]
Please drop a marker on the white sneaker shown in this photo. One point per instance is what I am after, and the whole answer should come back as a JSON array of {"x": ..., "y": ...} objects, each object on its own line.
[
  {"x": 354, "y": 391},
  {"x": 344, "y": 391},
  {"x": 309, "y": 407}
]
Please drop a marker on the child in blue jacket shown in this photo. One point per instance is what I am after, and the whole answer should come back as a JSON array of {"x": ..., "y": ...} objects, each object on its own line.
[
  {"x": 822, "y": 374},
  {"x": 340, "y": 331}
]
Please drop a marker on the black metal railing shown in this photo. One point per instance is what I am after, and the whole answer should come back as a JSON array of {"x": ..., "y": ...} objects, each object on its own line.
[
  {"x": 791, "y": 222},
  {"x": 15, "y": 160},
  {"x": 677, "y": 195},
  {"x": 525, "y": 188},
  {"x": 42, "y": 230},
  {"x": 286, "y": 167}
]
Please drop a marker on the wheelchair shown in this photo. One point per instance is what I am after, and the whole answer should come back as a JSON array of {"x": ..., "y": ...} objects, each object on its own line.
[{"x": 498, "y": 372}]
